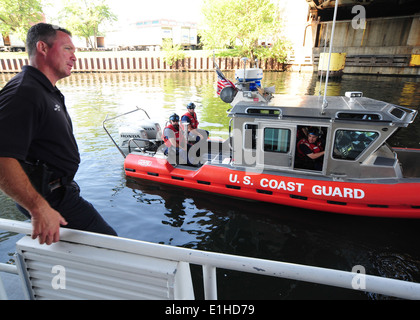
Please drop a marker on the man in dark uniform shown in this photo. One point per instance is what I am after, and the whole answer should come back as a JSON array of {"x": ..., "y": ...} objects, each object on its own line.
[{"x": 39, "y": 156}]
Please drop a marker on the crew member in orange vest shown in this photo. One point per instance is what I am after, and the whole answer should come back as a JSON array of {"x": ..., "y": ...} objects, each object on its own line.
[
  {"x": 310, "y": 150},
  {"x": 191, "y": 119},
  {"x": 174, "y": 139}
]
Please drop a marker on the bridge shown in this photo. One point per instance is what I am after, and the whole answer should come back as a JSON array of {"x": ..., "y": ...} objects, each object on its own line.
[{"x": 370, "y": 37}]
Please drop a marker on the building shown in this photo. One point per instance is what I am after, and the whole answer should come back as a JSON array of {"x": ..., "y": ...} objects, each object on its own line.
[{"x": 150, "y": 34}]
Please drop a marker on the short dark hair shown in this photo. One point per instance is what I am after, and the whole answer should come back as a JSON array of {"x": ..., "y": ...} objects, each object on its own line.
[{"x": 42, "y": 32}]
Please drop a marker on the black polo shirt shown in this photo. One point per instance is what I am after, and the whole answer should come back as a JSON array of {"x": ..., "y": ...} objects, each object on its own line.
[{"x": 35, "y": 125}]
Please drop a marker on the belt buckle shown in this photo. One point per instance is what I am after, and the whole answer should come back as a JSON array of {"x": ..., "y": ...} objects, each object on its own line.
[{"x": 55, "y": 184}]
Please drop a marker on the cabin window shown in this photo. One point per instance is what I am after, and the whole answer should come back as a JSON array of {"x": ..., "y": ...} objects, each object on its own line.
[
  {"x": 250, "y": 136},
  {"x": 277, "y": 140},
  {"x": 359, "y": 116},
  {"x": 266, "y": 112},
  {"x": 397, "y": 112},
  {"x": 349, "y": 144}
]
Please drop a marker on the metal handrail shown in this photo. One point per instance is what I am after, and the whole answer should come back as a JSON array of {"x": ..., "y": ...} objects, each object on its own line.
[
  {"x": 116, "y": 117},
  {"x": 210, "y": 261}
]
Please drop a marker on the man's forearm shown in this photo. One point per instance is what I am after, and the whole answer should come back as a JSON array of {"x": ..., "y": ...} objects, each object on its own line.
[
  {"x": 315, "y": 156},
  {"x": 15, "y": 183}
]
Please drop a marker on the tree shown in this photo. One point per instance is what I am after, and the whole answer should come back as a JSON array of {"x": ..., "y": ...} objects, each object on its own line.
[
  {"x": 84, "y": 17},
  {"x": 173, "y": 53},
  {"x": 17, "y": 16},
  {"x": 241, "y": 24}
]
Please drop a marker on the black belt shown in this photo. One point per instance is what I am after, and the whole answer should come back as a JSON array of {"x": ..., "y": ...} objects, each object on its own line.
[{"x": 58, "y": 183}]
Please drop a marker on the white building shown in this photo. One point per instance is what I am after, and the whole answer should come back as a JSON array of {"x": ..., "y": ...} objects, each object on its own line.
[{"x": 149, "y": 34}]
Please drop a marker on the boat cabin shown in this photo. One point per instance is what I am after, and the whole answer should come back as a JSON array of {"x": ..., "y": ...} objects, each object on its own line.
[{"x": 352, "y": 130}]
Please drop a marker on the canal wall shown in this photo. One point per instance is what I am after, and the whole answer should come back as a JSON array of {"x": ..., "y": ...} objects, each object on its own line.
[
  {"x": 404, "y": 61},
  {"x": 396, "y": 60},
  {"x": 109, "y": 63}
]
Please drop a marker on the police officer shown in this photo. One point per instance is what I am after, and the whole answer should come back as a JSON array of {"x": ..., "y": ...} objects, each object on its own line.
[{"x": 39, "y": 155}]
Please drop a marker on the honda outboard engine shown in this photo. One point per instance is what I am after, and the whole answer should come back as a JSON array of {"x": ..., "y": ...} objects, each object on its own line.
[{"x": 142, "y": 135}]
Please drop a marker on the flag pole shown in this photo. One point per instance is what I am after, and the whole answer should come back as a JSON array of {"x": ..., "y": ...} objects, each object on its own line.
[{"x": 325, "y": 103}]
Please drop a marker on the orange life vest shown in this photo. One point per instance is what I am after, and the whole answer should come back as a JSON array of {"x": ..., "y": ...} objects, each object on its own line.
[
  {"x": 178, "y": 135},
  {"x": 193, "y": 120},
  {"x": 314, "y": 147}
]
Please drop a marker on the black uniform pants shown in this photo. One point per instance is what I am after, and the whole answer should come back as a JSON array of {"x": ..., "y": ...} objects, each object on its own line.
[{"x": 79, "y": 213}]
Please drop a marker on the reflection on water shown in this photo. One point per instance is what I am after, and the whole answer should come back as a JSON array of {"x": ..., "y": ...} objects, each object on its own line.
[{"x": 179, "y": 217}]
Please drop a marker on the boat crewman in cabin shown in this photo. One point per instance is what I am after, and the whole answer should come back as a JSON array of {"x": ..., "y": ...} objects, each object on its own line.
[
  {"x": 191, "y": 121},
  {"x": 176, "y": 145},
  {"x": 310, "y": 151},
  {"x": 39, "y": 156}
]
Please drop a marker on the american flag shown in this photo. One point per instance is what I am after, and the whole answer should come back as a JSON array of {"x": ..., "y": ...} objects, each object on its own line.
[{"x": 222, "y": 82}]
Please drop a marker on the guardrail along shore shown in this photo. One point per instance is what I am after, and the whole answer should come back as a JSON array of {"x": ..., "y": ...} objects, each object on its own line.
[{"x": 141, "y": 64}]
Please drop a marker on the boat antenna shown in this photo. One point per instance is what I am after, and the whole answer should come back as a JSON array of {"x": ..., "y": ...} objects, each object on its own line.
[
  {"x": 245, "y": 61},
  {"x": 325, "y": 103},
  {"x": 323, "y": 57},
  {"x": 214, "y": 60}
]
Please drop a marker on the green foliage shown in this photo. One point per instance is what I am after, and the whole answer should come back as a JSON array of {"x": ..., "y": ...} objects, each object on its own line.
[
  {"x": 173, "y": 53},
  {"x": 235, "y": 52},
  {"x": 243, "y": 25},
  {"x": 277, "y": 51},
  {"x": 17, "y": 16},
  {"x": 84, "y": 18}
]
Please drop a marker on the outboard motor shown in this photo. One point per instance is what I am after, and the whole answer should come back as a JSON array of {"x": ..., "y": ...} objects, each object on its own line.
[
  {"x": 144, "y": 135},
  {"x": 141, "y": 136}
]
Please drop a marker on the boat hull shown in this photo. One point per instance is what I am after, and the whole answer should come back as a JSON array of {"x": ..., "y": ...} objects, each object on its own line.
[{"x": 384, "y": 198}]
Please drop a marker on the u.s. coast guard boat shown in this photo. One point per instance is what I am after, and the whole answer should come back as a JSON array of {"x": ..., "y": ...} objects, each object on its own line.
[{"x": 359, "y": 174}]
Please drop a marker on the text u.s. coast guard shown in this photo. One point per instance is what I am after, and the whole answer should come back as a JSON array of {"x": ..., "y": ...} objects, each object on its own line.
[{"x": 291, "y": 186}]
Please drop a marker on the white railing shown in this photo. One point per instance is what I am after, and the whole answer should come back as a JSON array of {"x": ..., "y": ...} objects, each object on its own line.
[{"x": 210, "y": 261}]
